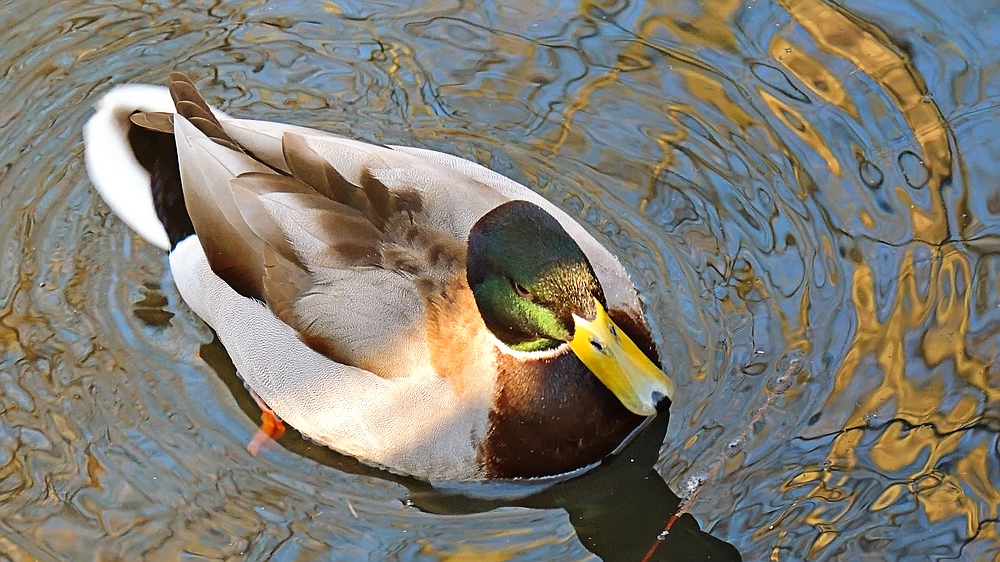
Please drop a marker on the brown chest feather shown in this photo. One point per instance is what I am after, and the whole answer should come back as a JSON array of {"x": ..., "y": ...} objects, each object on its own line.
[{"x": 551, "y": 416}]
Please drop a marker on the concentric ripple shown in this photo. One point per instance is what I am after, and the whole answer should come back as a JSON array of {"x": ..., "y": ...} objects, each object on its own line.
[{"x": 804, "y": 191}]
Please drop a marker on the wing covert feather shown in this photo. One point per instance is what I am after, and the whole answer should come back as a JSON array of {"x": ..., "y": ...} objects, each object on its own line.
[
  {"x": 232, "y": 248},
  {"x": 284, "y": 283}
]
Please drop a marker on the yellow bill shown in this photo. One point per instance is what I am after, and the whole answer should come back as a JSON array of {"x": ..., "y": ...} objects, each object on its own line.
[{"x": 619, "y": 364}]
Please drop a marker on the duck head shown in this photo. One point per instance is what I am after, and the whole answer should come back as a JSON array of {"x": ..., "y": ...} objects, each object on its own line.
[{"x": 537, "y": 292}]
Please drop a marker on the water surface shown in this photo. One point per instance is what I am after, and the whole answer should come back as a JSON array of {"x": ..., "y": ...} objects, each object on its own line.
[{"x": 805, "y": 193}]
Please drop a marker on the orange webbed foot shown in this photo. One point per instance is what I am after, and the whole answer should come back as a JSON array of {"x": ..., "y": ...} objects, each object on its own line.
[{"x": 271, "y": 427}]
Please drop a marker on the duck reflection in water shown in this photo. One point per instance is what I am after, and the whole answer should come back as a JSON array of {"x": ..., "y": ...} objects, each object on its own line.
[{"x": 619, "y": 510}]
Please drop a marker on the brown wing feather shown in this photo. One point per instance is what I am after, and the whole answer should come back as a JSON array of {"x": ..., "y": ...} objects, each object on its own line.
[
  {"x": 232, "y": 248},
  {"x": 311, "y": 168},
  {"x": 292, "y": 240},
  {"x": 260, "y": 221},
  {"x": 302, "y": 225},
  {"x": 189, "y": 103},
  {"x": 284, "y": 283},
  {"x": 379, "y": 197}
]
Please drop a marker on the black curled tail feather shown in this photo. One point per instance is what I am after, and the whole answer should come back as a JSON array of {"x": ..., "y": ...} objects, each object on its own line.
[{"x": 153, "y": 146}]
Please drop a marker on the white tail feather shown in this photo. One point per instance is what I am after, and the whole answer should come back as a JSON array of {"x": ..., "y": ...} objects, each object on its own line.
[{"x": 118, "y": 176}]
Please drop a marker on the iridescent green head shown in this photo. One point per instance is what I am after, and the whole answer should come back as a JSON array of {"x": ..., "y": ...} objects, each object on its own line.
[{"x": 529, "y": 277}]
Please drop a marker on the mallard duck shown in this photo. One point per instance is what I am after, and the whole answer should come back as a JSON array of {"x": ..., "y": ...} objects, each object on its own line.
[{"x": 403, "y": 306}]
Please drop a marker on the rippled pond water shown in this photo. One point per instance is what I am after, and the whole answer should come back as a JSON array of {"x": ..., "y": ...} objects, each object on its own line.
[{"x": 806, "y": 193}]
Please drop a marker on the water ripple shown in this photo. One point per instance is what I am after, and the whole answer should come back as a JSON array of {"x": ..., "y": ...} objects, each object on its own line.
[{"x": 804, "y": 192}]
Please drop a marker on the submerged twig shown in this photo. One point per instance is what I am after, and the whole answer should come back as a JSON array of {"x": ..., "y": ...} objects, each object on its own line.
[{"x": 695, "y": 484}]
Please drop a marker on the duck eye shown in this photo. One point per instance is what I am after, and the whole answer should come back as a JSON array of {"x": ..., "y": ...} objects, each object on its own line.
[{"x": 519, "y": 289}]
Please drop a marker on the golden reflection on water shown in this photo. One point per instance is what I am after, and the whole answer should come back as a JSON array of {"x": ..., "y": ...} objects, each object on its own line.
[
  {"x": 705, "y": 143},
  {"x": 710, "y": 25},
  {"x": 813, "y": 74},
  {"x": 801, "y": 127},
  {"x": 923, "y": 430},
  {"x": 839, "y": 33},
  {"x": 927, "y": 321}
]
